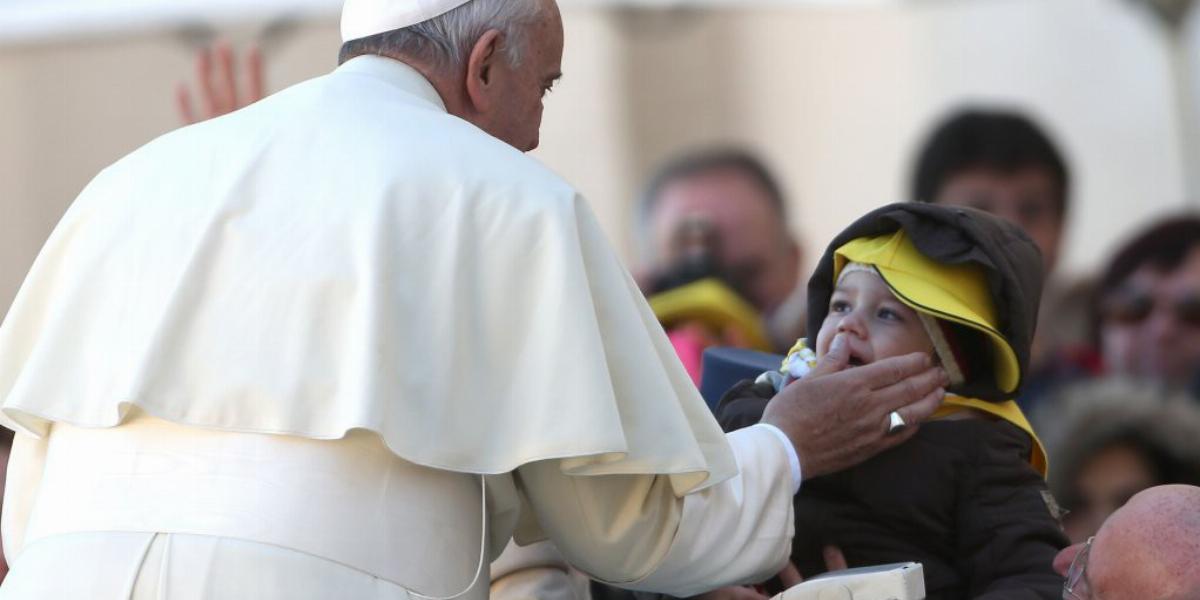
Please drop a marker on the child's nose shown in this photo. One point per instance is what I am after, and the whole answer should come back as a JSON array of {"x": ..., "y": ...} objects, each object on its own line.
[{"x": 853, "y": 324}]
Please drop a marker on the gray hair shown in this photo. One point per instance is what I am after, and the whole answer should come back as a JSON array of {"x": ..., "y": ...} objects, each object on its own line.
[{"x": 445, "y": 41}]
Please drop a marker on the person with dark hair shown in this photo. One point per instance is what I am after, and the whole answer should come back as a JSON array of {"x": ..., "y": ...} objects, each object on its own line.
[
  {"x": 1003, "y": 162},
  {"x": 1148, "y": 305},
  {"x": 1000, "y": 162},
  {"x": 1116, "y": 438},
  {"x": 732, "y": 195}
]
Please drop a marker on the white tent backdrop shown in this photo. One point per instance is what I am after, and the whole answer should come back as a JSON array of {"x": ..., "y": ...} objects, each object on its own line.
[{"x": 835, "y": 95}]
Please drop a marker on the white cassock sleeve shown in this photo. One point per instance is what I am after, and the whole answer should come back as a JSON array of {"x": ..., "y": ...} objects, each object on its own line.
[{"x": 633, "y": 532}]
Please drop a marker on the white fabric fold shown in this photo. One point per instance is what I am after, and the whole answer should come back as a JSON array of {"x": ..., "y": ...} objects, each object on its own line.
[{"x": 345, "y": 255}]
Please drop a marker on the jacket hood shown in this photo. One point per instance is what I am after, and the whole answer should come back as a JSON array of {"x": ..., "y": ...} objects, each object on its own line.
[{"x": 954, "y": 236}]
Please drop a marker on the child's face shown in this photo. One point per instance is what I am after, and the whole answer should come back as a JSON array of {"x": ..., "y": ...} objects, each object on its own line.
[{"x": 876, "y": 324}]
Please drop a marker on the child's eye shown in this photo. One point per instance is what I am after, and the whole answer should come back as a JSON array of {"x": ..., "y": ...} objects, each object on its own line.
[
  {"x": 888, "y": 314},
  {"x": 839, "y": 306}
]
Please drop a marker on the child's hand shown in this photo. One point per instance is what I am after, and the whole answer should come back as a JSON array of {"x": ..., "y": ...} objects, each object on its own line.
[
  {"x": 790, "y": 576},
  {"x": 834, "y": 561}
]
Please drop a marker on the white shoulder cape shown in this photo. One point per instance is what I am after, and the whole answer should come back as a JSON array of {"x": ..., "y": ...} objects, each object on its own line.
[{"x": 345, "y": 255}]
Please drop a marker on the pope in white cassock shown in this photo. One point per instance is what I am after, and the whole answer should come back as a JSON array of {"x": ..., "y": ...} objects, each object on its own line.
[{"x": 350, "y": 341}]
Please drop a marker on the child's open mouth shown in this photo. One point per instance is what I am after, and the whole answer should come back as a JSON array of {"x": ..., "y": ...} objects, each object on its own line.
[{"x": 856, "y": 361}]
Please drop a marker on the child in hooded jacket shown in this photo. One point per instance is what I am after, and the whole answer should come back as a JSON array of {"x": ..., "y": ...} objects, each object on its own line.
[{"x": 966, "y": 496}]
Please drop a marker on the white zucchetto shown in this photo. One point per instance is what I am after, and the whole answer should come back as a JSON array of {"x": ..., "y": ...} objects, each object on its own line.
[{"x": 363, "y": 18}]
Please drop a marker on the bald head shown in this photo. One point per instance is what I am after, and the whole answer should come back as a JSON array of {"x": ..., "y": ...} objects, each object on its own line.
[{"x": 1150, "y": 548}]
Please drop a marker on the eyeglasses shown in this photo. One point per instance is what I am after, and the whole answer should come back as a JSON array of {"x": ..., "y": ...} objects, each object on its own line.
[
  {"x": 1134, "y": 306},
  {"x": 1077, "y": 586}
]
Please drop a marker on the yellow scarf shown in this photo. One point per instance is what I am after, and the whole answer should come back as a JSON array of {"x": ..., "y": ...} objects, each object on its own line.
[{"x": 1008, "y": 411}]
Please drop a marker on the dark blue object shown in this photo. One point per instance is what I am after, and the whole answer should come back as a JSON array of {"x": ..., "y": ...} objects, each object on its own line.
[{"x": 722, "y": 367}]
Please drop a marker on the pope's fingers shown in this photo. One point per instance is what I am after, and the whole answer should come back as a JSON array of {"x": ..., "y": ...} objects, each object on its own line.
[
  {"x": 912, "y": 415},
  {"x": 921, "y": 410},
  {"x": 890, "y": 371},
  {"x": 909, "y": 391},
  {"x": 890, "y": 440},
  {"x": 835, "y": 359}
]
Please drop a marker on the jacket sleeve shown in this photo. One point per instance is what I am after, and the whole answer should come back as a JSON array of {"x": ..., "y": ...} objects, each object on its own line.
[
  {"x": 743, "y": 405},
  {"x": 1007, "y": 535}
]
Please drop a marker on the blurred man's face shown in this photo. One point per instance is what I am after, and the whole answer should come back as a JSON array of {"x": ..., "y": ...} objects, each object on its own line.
[
  {"x": 753, "y": 246},
  {"x": 1105, "y": 483},
  {"x": 1151, "y": 323},
  {"x": 1025, "y": 197}
]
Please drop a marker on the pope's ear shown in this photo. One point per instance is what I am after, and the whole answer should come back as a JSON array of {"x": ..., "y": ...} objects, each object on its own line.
[{"x": 481, "y": 67}]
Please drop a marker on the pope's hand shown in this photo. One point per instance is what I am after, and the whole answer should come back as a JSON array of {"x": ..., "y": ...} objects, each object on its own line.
[{"x": 838, "y": 417}]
